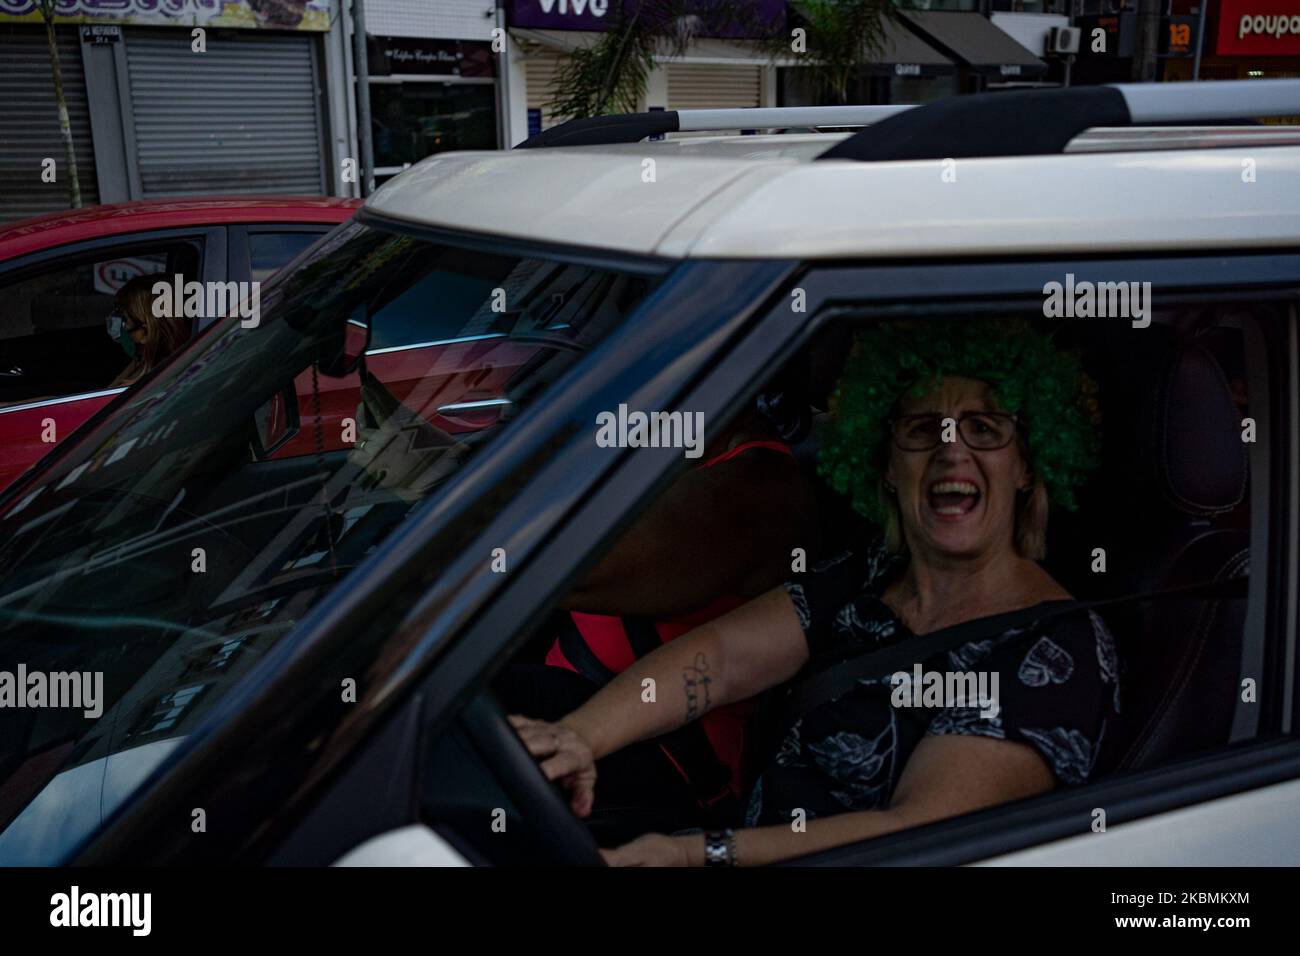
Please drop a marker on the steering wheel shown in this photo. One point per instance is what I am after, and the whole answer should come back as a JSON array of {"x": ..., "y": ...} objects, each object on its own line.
[{"x": 540, "y": 801}]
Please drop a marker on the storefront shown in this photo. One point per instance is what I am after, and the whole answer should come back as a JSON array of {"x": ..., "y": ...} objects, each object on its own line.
[
  {"x": 433, "y": 82},
  {"x": 160, "y": 110},
  {"x": 1109, "y": 40},
  {"x": 986, "y": 56},
  {"x": 1032, "y": 30},
  {"x": 713, "y": 72},
  {"x": 905, "y": 69},
  {"x": 929, "y": 52},
  {"x": 29, "y": 118},
  {"x": 1247, "y": 39}
]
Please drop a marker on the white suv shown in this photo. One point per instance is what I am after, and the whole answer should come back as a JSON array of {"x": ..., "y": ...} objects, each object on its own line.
[{"x": 514, "y": 297}]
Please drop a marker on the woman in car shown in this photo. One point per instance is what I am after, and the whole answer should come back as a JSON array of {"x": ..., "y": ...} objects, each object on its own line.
[
  {"x": 954, "y": 437},
  {"x": 720, "y": 535},
  {"x": 146, "y": 338}
]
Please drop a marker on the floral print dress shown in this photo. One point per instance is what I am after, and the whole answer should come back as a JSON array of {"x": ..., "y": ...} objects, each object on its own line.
[{"x": 1058, "y": 691}]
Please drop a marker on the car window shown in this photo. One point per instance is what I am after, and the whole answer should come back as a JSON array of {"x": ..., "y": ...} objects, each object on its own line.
[
  {"x": 203, "y": 526},
  {"x": 1153, "y": 450},
  {"x": 269, "y": 252},
  {"x": 53, "y": 337}
]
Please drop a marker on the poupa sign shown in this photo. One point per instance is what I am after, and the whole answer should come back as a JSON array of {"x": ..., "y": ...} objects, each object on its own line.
[{"x": 1258, "y": 28}]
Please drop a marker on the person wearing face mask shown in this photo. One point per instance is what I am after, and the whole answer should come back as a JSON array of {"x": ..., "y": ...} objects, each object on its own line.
[
  {"x": 146, "y": 338},
  {"x": 956, "y": 438}
]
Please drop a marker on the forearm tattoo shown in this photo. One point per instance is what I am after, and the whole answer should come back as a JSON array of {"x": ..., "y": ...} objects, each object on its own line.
[{"x": 697, "y": 680}]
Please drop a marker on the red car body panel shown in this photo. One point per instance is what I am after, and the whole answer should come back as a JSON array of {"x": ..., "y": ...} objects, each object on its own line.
[
  {"x": 23, "y": 426},
  {"x": 23, "y": 429},
  {"x": 77, "y": 225},
  {"x": 425, "y": 378}
]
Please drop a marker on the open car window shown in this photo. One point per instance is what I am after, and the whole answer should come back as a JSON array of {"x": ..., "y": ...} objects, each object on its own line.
[
  {"x": 53, "y": 336},
  {"x": 1178, "y": 423}
]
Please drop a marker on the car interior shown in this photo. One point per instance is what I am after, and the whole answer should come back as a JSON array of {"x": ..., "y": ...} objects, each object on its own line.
[
  {"x": 1178, "y": 500},
  {"x": 52, "y": 328},
  {"x": 1171, "y": 505}
]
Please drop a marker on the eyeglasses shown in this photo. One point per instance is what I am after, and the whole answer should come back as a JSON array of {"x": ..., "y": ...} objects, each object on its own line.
[{"x": 981, "y": 431}]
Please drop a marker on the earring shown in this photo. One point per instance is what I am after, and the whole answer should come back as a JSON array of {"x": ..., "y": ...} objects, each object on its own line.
[{"x": 889, "y": 488}]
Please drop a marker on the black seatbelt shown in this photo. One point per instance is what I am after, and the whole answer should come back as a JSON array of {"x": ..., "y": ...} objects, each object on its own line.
[
  {"x": 578, "y": 653},
  {"x": 838, "y": 679}
]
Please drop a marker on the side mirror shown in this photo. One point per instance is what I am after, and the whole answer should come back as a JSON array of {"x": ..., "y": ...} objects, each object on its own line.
[{"x": 275, "y": 422}]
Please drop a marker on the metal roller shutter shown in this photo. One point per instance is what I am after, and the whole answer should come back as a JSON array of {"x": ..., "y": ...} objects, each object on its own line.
[
  {"x": 29, "y": 124},
  {"x": 241, "y": 118},
  {"x": 539, "y": 76},
  {"x": 707, "y": 86}
]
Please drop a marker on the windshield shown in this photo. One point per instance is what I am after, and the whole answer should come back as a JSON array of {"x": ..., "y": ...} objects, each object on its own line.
[{"x": 170, "y": 546}]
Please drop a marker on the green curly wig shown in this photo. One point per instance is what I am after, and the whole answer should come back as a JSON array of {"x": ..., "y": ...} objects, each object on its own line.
[{"x": 1046, "y": 387}]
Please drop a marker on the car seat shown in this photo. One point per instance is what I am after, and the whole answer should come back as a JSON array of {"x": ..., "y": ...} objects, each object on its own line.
[{"x": 1187, "y": 522}]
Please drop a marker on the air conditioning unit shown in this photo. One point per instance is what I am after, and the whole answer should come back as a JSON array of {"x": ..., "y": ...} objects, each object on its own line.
[{"x": 1063, "y": 39}]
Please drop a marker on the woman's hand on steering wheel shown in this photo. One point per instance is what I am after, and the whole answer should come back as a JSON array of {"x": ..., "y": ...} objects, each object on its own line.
[{"x": 565, "y": 756}]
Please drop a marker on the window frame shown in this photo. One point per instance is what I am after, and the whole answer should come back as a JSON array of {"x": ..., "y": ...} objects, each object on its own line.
[
  {"x": 471, "y": 621},
  {"x": 225, "y": 739},
  {"x": 833, "y": 292},
  {"x": 239, "y": 248},
  {"x": 212, "y": 255}
]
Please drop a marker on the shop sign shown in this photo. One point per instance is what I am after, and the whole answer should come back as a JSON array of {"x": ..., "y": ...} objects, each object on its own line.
[
  {"x": 101, "y": 35},
  {"x": 596, "y": 14},
  {"x": 1258, "y": 28},
  {"x": 248, "y": 14},
  {"x": 1179, "y": 37},
  {"x": 414, "y": 56}
]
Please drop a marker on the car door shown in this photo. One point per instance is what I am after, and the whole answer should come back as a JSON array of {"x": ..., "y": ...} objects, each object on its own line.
[
  {"x": 1231, "y": 797},
  {"x": 58, "y": 361}
]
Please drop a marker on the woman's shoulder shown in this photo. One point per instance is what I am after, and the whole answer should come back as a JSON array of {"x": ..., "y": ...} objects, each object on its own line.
[
  {"x": 1059, "y": 645},
  {"x": 837, "y": 585}
]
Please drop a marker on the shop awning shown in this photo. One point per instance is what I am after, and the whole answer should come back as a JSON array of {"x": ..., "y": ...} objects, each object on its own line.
[
  {"x": 903, "y": 53},
  {"x": 972, "y": 40}
]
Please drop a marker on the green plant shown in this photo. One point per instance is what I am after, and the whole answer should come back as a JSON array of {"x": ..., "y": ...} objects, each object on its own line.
[{"x": 839, "y": 38}]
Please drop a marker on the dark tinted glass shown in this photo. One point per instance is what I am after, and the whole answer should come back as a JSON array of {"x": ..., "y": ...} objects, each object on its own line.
[{"x": 170, "y": 548}]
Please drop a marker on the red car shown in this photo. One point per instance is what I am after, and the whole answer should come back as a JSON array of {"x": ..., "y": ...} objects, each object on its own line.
[{"x": 59, "y": 273}]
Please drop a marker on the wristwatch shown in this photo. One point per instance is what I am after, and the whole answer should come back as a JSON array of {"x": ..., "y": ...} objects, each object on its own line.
[{"x": 720, "y": 848}]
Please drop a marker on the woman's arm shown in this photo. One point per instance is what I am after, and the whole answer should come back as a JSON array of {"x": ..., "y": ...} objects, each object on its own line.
[
  {"x": 756, "y": 646},
  {"x": 944, "y": 777}
]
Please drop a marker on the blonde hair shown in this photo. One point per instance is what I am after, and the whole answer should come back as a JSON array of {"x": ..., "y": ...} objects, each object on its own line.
[{"x": 163, "y": 334}]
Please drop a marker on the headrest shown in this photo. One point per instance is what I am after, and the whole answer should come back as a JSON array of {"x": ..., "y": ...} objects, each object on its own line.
[{"x": 1200, "y": 459}]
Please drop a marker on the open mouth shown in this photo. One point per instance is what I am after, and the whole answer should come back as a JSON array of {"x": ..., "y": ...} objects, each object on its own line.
[{"x": 953, "y": 499}]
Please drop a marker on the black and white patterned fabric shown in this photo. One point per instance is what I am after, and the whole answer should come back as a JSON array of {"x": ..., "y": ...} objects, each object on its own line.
[{"x": 1058, "y": 691}]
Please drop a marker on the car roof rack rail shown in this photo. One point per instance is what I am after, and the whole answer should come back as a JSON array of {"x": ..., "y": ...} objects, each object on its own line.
[
  {"x": 1042, "y": 122},
  {"x": 634, "y": 127}
]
